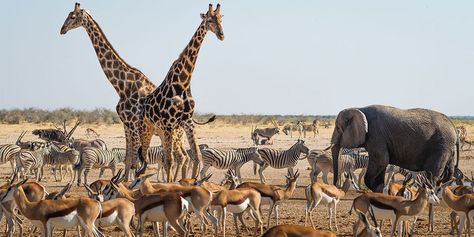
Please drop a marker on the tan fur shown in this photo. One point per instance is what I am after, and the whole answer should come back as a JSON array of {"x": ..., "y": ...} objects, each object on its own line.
[
  {"x": 314, "y": 195},
  {"x": 199, "y": 197},
  {"x": 209, "y": 186},
  {"x": 288, "y": 230},
  {"x": 401, "y": 206},
  {"x": 86, "y": 208},
  {"x": 226, "y": 197},
  {"x": 276, "y": 193}
]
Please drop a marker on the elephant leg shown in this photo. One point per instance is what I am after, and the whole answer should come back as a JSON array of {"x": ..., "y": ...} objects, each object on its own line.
[
  {"x": 374, "y": 178},
  {"x": 445, "y": 165}
]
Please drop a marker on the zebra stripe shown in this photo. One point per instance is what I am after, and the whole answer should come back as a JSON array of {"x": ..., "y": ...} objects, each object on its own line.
[
  {"x": 97, "y": 158},
  {"x": 352, "y": 160},
  {"x": 231, "y": 159},
  {"x": 392, "y": 170},
  {"x": 281, "y": 159},
  {"x": 8, "y": 153},
  {"x": 28, "y": 161}
]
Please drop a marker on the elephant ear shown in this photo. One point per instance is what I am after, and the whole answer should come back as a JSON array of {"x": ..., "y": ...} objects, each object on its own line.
[{"x": 356, "y": 127}]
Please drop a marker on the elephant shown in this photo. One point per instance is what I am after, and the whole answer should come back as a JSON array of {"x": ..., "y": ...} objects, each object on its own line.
[{"x": 415, "y": 139}]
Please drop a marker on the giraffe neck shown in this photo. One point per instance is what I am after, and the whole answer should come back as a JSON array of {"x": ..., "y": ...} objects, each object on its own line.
[
  {"x": 183, "y": 67},
  {"x": 112, "y": 64}
]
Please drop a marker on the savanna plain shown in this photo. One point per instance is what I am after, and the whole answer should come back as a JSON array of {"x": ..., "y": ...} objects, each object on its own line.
[{"x": 224, "y": 136}]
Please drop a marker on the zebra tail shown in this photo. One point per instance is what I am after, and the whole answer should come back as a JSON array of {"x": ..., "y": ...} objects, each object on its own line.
[
  {"x": 254, "y": 168},
  {"x": 79, "y": 164}
]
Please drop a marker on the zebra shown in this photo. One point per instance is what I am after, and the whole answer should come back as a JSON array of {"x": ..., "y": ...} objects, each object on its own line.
[
  {"x": 61, "y": 155},
  {"x": 392, "y": 170},
  {"x": 351, "y": 160},
  {"x": 8, "y": 153},
  {"x": 232, "y": 159},
  {"x": 32, "y": 160},
  {"x": 92, "y": 157},
  {"x": 281, "y": 159},
  {"x": 156, "y": 155}
]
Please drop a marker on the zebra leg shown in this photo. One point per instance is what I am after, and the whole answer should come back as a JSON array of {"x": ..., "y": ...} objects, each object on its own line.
[
  {"x": 12, "y": 164},
  {"x": 260, "y": 172},
  {"x": 237, "y": 171},
  {"x": 112, "y": 169},
  {"x": 101, "y": 172},
  {"x": 361, "y": 175},
  {"x": 290, "y": 170},
  {"x": 86, "y": 172},
  {"x": 204, "y": 170}
]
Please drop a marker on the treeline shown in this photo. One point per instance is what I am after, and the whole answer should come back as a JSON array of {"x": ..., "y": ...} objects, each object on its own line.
[
  {"x": 106, "y": 116},
  {"x": 57, "y": 116}
]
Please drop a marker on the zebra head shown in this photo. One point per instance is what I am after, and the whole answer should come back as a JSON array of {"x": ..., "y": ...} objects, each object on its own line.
[{"x": 300, "y": 147}]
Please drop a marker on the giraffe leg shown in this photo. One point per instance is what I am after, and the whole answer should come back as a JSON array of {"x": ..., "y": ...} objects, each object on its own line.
[
  {"x": 146, "y": 135},
  {"x": 128, "y": 152},
  {"x": 185, "y": 160},
  {"x": 190, "y": 133},
  {"x": 168, "y": 148}
]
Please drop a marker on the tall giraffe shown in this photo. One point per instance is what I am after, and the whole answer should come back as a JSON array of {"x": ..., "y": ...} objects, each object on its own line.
[
  {"x": 130, "y": 83},
  {"x": 171, "y": 105}
]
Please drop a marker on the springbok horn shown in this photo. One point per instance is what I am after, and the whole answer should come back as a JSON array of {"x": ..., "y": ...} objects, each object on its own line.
[
  {"x": 88, "y": 188},
  {"x": 72, "y": 130}
]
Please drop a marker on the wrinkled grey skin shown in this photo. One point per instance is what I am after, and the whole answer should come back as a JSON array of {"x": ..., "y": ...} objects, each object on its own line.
[{"x": 414, "y": 139}]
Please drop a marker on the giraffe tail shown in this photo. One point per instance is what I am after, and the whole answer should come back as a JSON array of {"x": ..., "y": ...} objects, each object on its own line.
[
  {"x": 209, "y": 120},
  {"x": 143, "y": 162}
]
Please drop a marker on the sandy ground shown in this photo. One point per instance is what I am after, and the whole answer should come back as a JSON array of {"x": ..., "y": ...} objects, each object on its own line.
[{"x": 222, "y": 136}]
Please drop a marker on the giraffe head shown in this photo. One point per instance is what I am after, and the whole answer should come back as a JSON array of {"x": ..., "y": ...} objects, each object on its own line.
[
  {"x": 74, "y": 19},
  {"x": 213, "y": 21}
]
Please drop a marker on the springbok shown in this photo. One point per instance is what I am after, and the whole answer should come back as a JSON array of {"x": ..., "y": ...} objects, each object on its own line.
[
  {"x": 273, "y": 195},
  {"x": 395, "y": 208},
  {"x": 48, "y": 214},
  {"x": 163, "y": 207},
  {"x": 296, "y": 230},
  {"x": 118, "y": 211},
  {"x": 328, "y": 194}
]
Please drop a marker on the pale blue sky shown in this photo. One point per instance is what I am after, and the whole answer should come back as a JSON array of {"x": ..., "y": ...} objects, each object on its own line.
[{"x": 278, "y": 57}]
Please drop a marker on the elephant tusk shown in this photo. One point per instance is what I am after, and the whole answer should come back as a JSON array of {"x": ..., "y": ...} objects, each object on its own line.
[{"x": 329, "y": 147}]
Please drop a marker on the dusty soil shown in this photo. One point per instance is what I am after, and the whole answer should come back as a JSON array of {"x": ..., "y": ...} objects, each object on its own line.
[{"x": 222, "y": 136}]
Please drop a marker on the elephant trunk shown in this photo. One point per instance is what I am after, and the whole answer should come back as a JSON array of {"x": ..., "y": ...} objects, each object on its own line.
[{"x": 335, "y": 162}]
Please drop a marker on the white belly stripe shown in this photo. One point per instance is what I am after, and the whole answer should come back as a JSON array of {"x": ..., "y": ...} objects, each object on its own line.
[
  {"x": 70, "y": 220},
  {"x": 238, "y": 208}
]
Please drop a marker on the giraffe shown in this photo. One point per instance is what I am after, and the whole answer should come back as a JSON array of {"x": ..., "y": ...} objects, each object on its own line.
[
  {"x": 130, "y": 83},
  {"x": 171, "y": 105}
]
